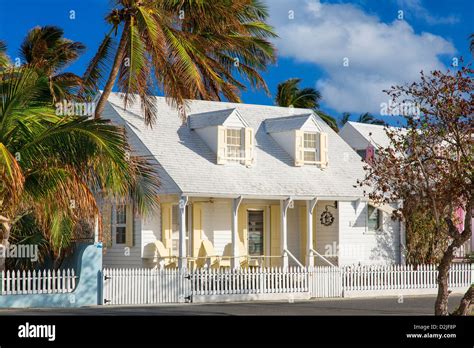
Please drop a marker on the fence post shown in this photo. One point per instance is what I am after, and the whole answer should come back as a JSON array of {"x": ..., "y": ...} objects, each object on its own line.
[{"x": 471, "y": 280}]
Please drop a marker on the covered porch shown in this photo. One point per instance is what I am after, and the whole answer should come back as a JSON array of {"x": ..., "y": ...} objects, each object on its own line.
[{"x": 240, "y": 232}]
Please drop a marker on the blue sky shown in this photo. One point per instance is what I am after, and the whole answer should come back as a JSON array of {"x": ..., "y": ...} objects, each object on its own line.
[{"x": 316, "y": 38}]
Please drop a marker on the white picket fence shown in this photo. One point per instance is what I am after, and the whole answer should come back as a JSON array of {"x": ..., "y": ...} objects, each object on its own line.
[
  {"x": 147, "y": 286},
  {"x": 402, "y": 277},
  {"x": 325, "y": 282},
  {"x": 37, "y": 282},
  {"x": 249, "y": 281}
]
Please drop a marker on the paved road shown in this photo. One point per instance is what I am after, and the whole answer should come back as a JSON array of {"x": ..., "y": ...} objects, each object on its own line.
[{"x": 413, "y": 305}]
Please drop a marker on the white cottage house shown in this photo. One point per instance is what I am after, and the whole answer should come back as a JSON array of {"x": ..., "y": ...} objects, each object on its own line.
[
  {"x": 272, "y": 185},
  {"x": 363, "y": 137},
  {"x": 366, "y": 139}
]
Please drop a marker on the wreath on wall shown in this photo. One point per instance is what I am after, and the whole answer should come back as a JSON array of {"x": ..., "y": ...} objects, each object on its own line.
[{"x": 327, "y": 218}]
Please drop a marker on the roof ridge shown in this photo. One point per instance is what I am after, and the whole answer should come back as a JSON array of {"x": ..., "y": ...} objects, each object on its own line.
[{"x": 234, "y": 105}]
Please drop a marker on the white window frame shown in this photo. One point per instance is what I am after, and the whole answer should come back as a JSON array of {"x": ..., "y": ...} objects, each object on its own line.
[
  {"x": 115, "y": 225},
  {"x": 379, "y": 217},
  {"x": 264, "y": 239},
  {"x": 241, "y": 147},
  {"x": 316, "y": 149}
]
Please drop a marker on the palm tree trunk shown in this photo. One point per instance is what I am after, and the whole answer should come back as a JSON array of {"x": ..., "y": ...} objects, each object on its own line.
[{"x": 114, "y": 72}]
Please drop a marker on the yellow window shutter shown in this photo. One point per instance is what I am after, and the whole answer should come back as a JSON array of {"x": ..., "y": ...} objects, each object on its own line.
[
  {"x": 221, "y": 145},
  {"x": 299, "y": 148},
  {"x": 107, "y": 224},
  {"x": 129, "y": 228},
  {"x": 323, "y": 149},
  {"x": 197, "y": 228},
  {"x": 248, "y": 136},
  {"x": 275, "y": 235},
  {"x": 242, "y": 222},
  {"x": 166, "y": 225}
]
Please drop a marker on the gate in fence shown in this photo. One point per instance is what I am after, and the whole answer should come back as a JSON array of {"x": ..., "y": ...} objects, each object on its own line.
[
  {"x": 138, "y": 286},
  {"x": 147, "y": 286}
]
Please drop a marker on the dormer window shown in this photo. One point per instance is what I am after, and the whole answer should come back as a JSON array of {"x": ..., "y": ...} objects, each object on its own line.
[
  {"x": 227, "y": 133},
  {"x": 302, "y": 137},
  {"x": 235, "y": 143},
  {"x": 310, "y": 148}
]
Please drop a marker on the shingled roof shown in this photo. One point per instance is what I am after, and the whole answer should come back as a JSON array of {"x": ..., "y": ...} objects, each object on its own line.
[
  {"x": 287, "y": 123},
  {"x": 186, "y": 165}
]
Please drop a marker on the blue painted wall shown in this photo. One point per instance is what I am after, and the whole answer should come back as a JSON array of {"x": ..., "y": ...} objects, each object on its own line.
[{"x": 88, "y": 290}]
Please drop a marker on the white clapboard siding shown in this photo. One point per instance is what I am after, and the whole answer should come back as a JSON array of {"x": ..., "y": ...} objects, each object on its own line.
[{"x": 37, "y": 282}]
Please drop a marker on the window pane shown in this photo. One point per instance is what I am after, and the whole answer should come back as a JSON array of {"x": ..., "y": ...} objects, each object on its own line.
[
  {"x": 121, "y": 216},
  {"x": 310, "y": 156},
  {"x": 255, "y": 234},
  {"x": 234, "y": 143},
  {"x": 310, "y": 140},
  {"x": 373, "y": 220},
  {"x": 120, "y": 235}
]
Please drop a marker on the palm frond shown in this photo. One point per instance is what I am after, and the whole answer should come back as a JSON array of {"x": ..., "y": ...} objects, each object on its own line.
[
  {"x": 4, "y": 61},
  {"x": 100, "y": 63},
  {"x": 47, "y": 49},
  {"x": 52, "y": 165},
  {"x": 330, "y": 121}
]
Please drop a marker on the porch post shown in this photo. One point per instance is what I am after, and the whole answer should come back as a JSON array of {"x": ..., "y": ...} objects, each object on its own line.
[
  {"x": 310, "y": 205},
  {"x": 235, "y": 262},
  {"x": 182, "y": 232},
  {"x": 284, "y": 231}
]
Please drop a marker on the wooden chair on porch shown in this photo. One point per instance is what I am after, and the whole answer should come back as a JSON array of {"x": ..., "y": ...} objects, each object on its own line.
[
  {"x": 227, "y": 255},
  {"x": 207, "y": 255},
  {"x": 163, "y": 256}
]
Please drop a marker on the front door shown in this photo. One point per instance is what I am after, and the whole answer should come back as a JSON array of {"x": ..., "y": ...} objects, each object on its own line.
[{"x": 255, "y": 232}]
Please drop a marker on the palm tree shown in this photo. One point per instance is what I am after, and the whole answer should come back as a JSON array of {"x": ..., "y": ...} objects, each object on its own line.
[
  {"x": 345, "y": 118},
  {"x": 289, "y": 94},
  {"x": 188, "y": 49},
  {"x": 46, "y": 49},
  {"x": 3, "y": 55},
  {"x": 363, "y": 118},
  {"x": 51, "y": 165}
]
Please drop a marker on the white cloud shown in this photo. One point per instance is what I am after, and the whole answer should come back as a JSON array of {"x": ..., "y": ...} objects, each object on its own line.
[
  {"x": 380, "y": 54},
  {"x": 416, "y": 8}
]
